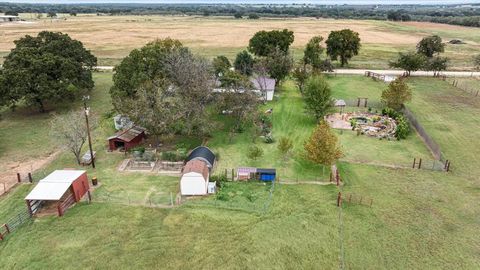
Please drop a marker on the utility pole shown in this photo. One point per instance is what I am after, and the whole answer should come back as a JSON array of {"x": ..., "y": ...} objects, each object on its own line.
[{"x": 85, "y": 98}]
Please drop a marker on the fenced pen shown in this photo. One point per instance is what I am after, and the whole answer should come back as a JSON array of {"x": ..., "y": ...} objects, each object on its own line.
[
  {"x": 468, "y": 85},
  {"x": 352, "y": 198},
  {"x": 440, "y": 163},
  {"x": 16, "y": 221},
  {"x": 252, "y": 197}
]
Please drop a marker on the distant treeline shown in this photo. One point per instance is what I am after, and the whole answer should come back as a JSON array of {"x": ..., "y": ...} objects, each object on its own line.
[{"x": 466, "y": 15}]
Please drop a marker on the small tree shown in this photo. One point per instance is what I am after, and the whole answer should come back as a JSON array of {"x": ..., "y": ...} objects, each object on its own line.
[
  {"x": 313, "y": 51},
  {"x": 476, "y": 62},
  {"x": 343, "y": 44},
  {"x": 436, "y": 64},
  {"x": 278, "y": 65},
  {"x": 254, "y": 152},
  {"x": 396, "y": 94},
  {"x": 285, "y": 146},
  {"x": 73, "y": 13},
  {"x": 318, "y": 96},
  {"x": 221, "y": 65},
  {"x": 300, "y": 74},
  {"x": 238, "y": 15},
  {"x": 409, "y": 62},
  {"x": 244, "y": 63},
  {"x": 322, "y": 147},
  {"x": 70, "y": 131},
  {"x": 253, "y": 16},
  {"x": 51, "y": 14},
  {"x": 431, "y": 45},
  {"x": 11, "y": 13}
]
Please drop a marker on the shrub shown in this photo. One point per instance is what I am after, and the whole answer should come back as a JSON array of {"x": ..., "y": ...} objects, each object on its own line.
[
  {"x": 140, "y": 149},
  {"x": 390, "y": 113},
  {"x": 254, "y": 152},
  {"x": 403, "y": 128},
  {"x": 170, "y": 156}
]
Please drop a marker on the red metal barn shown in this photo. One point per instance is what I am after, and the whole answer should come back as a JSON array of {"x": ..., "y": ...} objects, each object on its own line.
[
  {"x": 60, "y": 189},
  {"x": 126, "y": 139}
]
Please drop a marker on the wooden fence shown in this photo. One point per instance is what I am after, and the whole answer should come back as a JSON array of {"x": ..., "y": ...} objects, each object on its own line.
[
  {"x": 351, "y": 198},
  {"x": 63, "y": 206}
]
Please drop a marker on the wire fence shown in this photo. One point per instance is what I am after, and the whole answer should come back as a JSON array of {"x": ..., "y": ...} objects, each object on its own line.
[
  {"x": 15, "y": 222},
  {"x": 256, "y": 200},
  {"x": 146, "y": 199},
  {"x": 468, "y": 85},
  {"x": 431, "y": 144}
]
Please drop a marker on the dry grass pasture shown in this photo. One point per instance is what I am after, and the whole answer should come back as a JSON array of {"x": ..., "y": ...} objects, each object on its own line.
[{"x": 113, "y": 37}]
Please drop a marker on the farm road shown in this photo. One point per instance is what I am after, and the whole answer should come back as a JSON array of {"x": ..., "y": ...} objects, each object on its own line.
[{"x": 382, "y": 71}]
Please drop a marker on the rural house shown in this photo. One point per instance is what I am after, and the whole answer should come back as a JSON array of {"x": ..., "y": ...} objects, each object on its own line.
[
  {"x": 126, "y": 139},
  {"x": 60, "y": 189}
]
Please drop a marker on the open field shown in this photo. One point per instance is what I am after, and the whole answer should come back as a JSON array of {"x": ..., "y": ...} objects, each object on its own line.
[
  {"x": 112, "y": 37},
  {"x": 418, "y": 220}
]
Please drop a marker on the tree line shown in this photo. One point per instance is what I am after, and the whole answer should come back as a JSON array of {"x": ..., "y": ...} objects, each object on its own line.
[{"x": 449, "y": 14}]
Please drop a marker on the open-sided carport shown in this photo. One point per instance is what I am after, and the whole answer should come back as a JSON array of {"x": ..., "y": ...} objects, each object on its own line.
[{"x": 62, "y": 187}]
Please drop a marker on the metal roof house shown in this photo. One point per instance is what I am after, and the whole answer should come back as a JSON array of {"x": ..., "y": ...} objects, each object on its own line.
[
  {"x": 63, "y": 188},
  {"x": 202, "y": 153},
  {"x": 127, "y": 138}
]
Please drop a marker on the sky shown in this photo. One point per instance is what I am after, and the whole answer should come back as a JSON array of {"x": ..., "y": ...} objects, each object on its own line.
[{"x": 327, "y": 2}]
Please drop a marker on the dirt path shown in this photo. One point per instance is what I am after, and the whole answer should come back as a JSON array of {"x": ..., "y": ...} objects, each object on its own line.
[
  {"x": 393, "y": 72},
  {"x": 8, "y": 176}
]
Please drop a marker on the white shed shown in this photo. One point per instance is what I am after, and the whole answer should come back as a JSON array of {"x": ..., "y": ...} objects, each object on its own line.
[{"x": 195, "y": 177}]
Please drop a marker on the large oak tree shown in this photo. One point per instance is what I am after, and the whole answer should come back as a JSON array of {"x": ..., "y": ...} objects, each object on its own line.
[
  {"x": 263, "y": 43},
  {"x": 49, "y": 67},
  {"x": 343, "y": 44}
]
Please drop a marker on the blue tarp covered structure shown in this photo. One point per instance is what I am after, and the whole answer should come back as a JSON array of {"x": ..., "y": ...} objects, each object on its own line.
[{"x": 266, "y": 175}]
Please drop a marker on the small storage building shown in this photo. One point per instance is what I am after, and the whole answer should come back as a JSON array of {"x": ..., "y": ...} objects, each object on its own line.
[
  {"x": 195, "y": 176},
  {"x": 266, "y": 175},
  {"x": 246, "y": 173},
  {"x": 126, "y": 139},
  {"x": 202, "y": 153},
  {"x": 265, "y": 85},
  {"x": 62, "y": 188}
]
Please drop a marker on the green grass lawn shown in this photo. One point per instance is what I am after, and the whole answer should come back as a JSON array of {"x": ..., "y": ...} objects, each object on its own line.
[
  {"x": 450, "y": 116},
  {"x": 366, "y": 149},
  {"x": 418, "y": 220}
]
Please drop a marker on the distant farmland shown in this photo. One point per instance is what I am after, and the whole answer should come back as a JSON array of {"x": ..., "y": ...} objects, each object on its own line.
[{"x": 113, "y": 37}]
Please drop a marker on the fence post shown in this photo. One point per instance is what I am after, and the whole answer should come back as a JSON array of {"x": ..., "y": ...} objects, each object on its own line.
[
  {"x": 6, "y": 228},
  {"x": 171, "y": 199},
  {"x": 371, "y": 201},
  {"x": 30, "y": 177},
  {"x": 414, "y": 162},
  {"x": 19, "y": 178},
  {"x": 420, "y": 163},
  {"x": 448, "y": 166},
  {"x": 339, "y": 199}
]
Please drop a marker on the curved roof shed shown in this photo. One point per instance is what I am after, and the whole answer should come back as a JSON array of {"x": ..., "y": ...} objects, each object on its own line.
[{"x": 202, "y": 153}]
